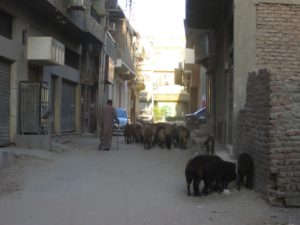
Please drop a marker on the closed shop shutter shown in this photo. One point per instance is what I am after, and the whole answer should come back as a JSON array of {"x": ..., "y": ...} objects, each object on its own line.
[
  {"x": 68, "y": 107},
  {"x": 4, "y": 102},
  {"x": 52, "y": 116}
]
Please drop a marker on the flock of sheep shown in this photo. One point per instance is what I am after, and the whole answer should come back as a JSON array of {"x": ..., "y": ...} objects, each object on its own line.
[
  {"x": 215, "y": 172},
  {"x": 161, "y": 134}
]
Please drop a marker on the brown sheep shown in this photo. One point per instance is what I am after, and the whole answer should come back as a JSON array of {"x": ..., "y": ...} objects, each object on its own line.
[
  {"x": 147, "y": 135},
  {"x": 175, "y": 136},
  {"x": 128, "y": 133},
  {"x": 165, "y": 135},
  {"x": 138, "y": 133},
  {"x": 161, "y": 137},
  {"x": 184, "y": 135},
  {"x": 154, "y": 128}
]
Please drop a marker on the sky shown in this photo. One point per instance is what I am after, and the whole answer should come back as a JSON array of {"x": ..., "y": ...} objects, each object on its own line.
[
  {"x": 160, "y": 24},
  {"x": 159, "y": 18}
]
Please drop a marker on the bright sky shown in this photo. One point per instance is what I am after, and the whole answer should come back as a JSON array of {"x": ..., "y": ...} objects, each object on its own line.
[
  {"x": 162, "y": 22},
  {"x": 158, "y": 17}
]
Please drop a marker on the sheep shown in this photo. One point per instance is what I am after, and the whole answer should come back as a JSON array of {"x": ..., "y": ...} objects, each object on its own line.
[
  {"x": 164, "y": 135},
  {"x": 194, "y": 171},
  {"x": 168, "y": 139},
  {"x": 147, "y": 136},
  {"x": 175, "y": 135},
  {"x": 138, "y": 133},
  {"x": 217, "y": 174},
  {"x": 184, "y": 134},
  {"x": 154, "y": 128},
  {"x": 161, "y": 137},
  {"x": 245, "y": 169},
  {"x": 128, "y": 133},
  {"x": 209, "y": 144}
]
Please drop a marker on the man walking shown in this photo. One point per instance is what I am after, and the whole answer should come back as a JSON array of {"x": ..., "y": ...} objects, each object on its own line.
[{"x": 106, "y": 125}]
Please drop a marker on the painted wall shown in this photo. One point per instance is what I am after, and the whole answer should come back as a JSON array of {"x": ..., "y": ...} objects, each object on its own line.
[
  {"x": 15, "y": 50},
  {"x": 244, "y": 50}
]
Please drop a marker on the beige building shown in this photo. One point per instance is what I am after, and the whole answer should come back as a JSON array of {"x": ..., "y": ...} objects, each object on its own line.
[
  {"x": 57, "y": 61},
  {"x": 162, "y": 57}
]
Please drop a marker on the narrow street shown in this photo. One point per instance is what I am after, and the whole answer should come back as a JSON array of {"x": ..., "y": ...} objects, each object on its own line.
[{"x": 79, "y": 185}]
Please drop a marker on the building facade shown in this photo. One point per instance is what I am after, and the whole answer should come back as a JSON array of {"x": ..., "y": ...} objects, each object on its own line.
[
  {"x": 121, "y": 87},
  {"x": 55, "y": 57},
  {"x": 162, "y": 57},
  {"x": 249, "y": 51}
]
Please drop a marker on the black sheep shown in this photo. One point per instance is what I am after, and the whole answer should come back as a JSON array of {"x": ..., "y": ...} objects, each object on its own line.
[
  {"x": 209, "y": 144},
  {"x": 245, "y": 169},
  {"x": 217, "y": 174},
  {"x": 147, "y": 136},
  {"x": 194, "y": 171}
]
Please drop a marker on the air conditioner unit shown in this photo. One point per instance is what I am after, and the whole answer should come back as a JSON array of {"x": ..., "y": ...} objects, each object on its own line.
[
  {"x": 45, "y": 51},
  {"x": 77, "y": 4},
  {"x": 202, "y": 49},
  {"x": 204, "y": 46},
  {"x": 112, "y": 26}
]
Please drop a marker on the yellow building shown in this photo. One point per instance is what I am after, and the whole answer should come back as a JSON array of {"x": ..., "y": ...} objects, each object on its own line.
[{"x": 162, "y": 58}]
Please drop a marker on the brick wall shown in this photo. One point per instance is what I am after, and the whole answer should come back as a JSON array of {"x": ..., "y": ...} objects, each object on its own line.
[
  {"x": 274, "y": 140},
  {"x": 277, "y": 34},
  {"x": 254, "y": 126}
]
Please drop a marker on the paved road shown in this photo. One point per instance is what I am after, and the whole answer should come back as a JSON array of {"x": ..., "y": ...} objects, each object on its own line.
[{"x": 131, "y": 186}]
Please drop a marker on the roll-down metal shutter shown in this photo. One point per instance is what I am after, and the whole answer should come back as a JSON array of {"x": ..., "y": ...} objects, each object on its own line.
[
  {"x": 4, "y": 102},
  {"x": 68, "y": 107},
  {"x": 52, "y": 116}
]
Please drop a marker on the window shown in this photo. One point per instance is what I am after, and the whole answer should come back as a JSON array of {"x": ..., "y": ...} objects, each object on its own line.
[
  {"x": 5, "y": 25},
  {"x": 71, "y": 58}
]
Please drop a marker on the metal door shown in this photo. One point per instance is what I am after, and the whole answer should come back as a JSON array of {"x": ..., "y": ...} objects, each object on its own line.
[
  {"x": 33, "y": 107},
  {"x": 52, "y": 117},
  {"x": 4, "y": 102},
  {"x": 68, "y": 106}
]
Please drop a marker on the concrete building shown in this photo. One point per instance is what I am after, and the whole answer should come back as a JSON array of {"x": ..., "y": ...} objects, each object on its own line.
[
  {"x": 195, "y": 80},
  {"x": 158, "y": 70},
  {"x": 120, "y": 87},
  {"x": 55, "y": 58},
  {"x": 41, "y": 44},
  {"x": 253, "y": 110}
]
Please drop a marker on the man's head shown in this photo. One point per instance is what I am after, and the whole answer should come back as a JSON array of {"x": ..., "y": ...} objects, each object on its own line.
[{"x": 109, "y": 102}]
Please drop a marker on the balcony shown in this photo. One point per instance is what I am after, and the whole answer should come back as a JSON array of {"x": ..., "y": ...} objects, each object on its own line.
[
  {"x": 76, "y": 4},
  {"x": 123, "y": 70},
  {"x": 139, "y": 85}
]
